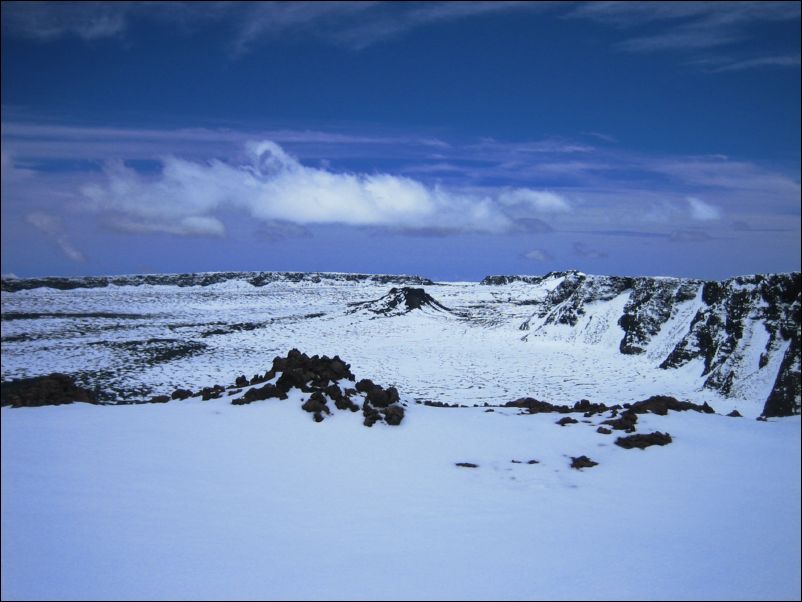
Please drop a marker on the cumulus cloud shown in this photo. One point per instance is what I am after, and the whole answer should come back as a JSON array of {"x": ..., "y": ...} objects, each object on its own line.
[
  {"x": 274, "y": 186},
  {"x": 540, "y": 200},
  {"x": 702, "y": 211},
  {"x": 54, "y": 228}
]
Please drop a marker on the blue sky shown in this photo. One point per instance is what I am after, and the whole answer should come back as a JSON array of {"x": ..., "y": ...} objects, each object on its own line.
[{"x": 448, "y": 139}]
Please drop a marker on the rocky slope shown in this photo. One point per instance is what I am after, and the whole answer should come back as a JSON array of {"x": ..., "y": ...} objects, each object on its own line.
[{"x": 735, "y": 328}]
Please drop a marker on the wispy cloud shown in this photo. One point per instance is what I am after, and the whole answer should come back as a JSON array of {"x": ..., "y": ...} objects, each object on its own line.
[
  {"x": 46, "y": 21},
  {"x": 543, "y": 201},
  {"x": 776, "y": 61},
  {"x": 53, "y": 227},
  {"x": 690, "y": 27},
  {"x": 355, "y": 25},
  {"x": 702, "y": 211}
]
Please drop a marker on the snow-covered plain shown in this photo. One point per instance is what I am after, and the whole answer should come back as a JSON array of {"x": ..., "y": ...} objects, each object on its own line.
[
  {"x": 476, "y": 353},
  {"x": 205, "y": 500}
]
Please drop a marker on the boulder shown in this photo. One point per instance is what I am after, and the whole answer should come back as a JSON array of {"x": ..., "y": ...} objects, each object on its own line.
[
  {"x": 582, "y": 462},
  {"x": 394, "y": 415}
]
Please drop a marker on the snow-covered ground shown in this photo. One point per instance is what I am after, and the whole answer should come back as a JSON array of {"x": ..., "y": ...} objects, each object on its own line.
[
  {"x": 205, "y": 500},
  {"x": 475, "y": 354}
]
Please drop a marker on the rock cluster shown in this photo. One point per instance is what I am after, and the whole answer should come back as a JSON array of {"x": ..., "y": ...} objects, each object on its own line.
[
  {"x": 319, "y": 376},
  {"x": 535, "y": 406}
]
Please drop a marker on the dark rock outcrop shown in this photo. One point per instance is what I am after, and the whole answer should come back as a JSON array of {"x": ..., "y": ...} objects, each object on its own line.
[
  {"x": 268, "y": 391},
  {"x": 625, "y": 422},
  {"x": 582, "y": 462},
  {"x": 643, "y": 441},
  {"x": 661, "y": 404},
  {"x": 400, "y": 301},
  {"x": 535, "y": 406},
  {"x": 51, "y": 390},
  {"x": 784, "y": 399}
]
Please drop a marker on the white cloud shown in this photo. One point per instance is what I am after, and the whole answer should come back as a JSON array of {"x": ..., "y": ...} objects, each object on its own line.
[
  {"x": 53, "y": 227},
  {"x": 539, "y": 200},
  {"x": 702, "y": 211},
  {"x": 538, "y": 255},
  {"x": 275, "y": 186}
]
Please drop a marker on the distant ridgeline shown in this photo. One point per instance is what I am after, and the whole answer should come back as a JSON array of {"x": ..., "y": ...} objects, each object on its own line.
[
  {"x": 729, "y": 325},
  {"x": 203, "y": 279}
]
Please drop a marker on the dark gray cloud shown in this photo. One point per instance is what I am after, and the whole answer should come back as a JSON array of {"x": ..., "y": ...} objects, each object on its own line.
[
  {"x": 690, "y": 236},
  {"x": 279, "y": 231},
  {"x": 629, "y": 233},
  {"x": 744, "y": 226},
  {"x": 584, "y": 250},
  {"x": 533, "y": 225}
]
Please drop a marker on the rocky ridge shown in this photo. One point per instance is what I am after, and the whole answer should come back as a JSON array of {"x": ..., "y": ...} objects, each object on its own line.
[
  {"x": 257, "y": 279},
  {"x": 679, "y": 320}
]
